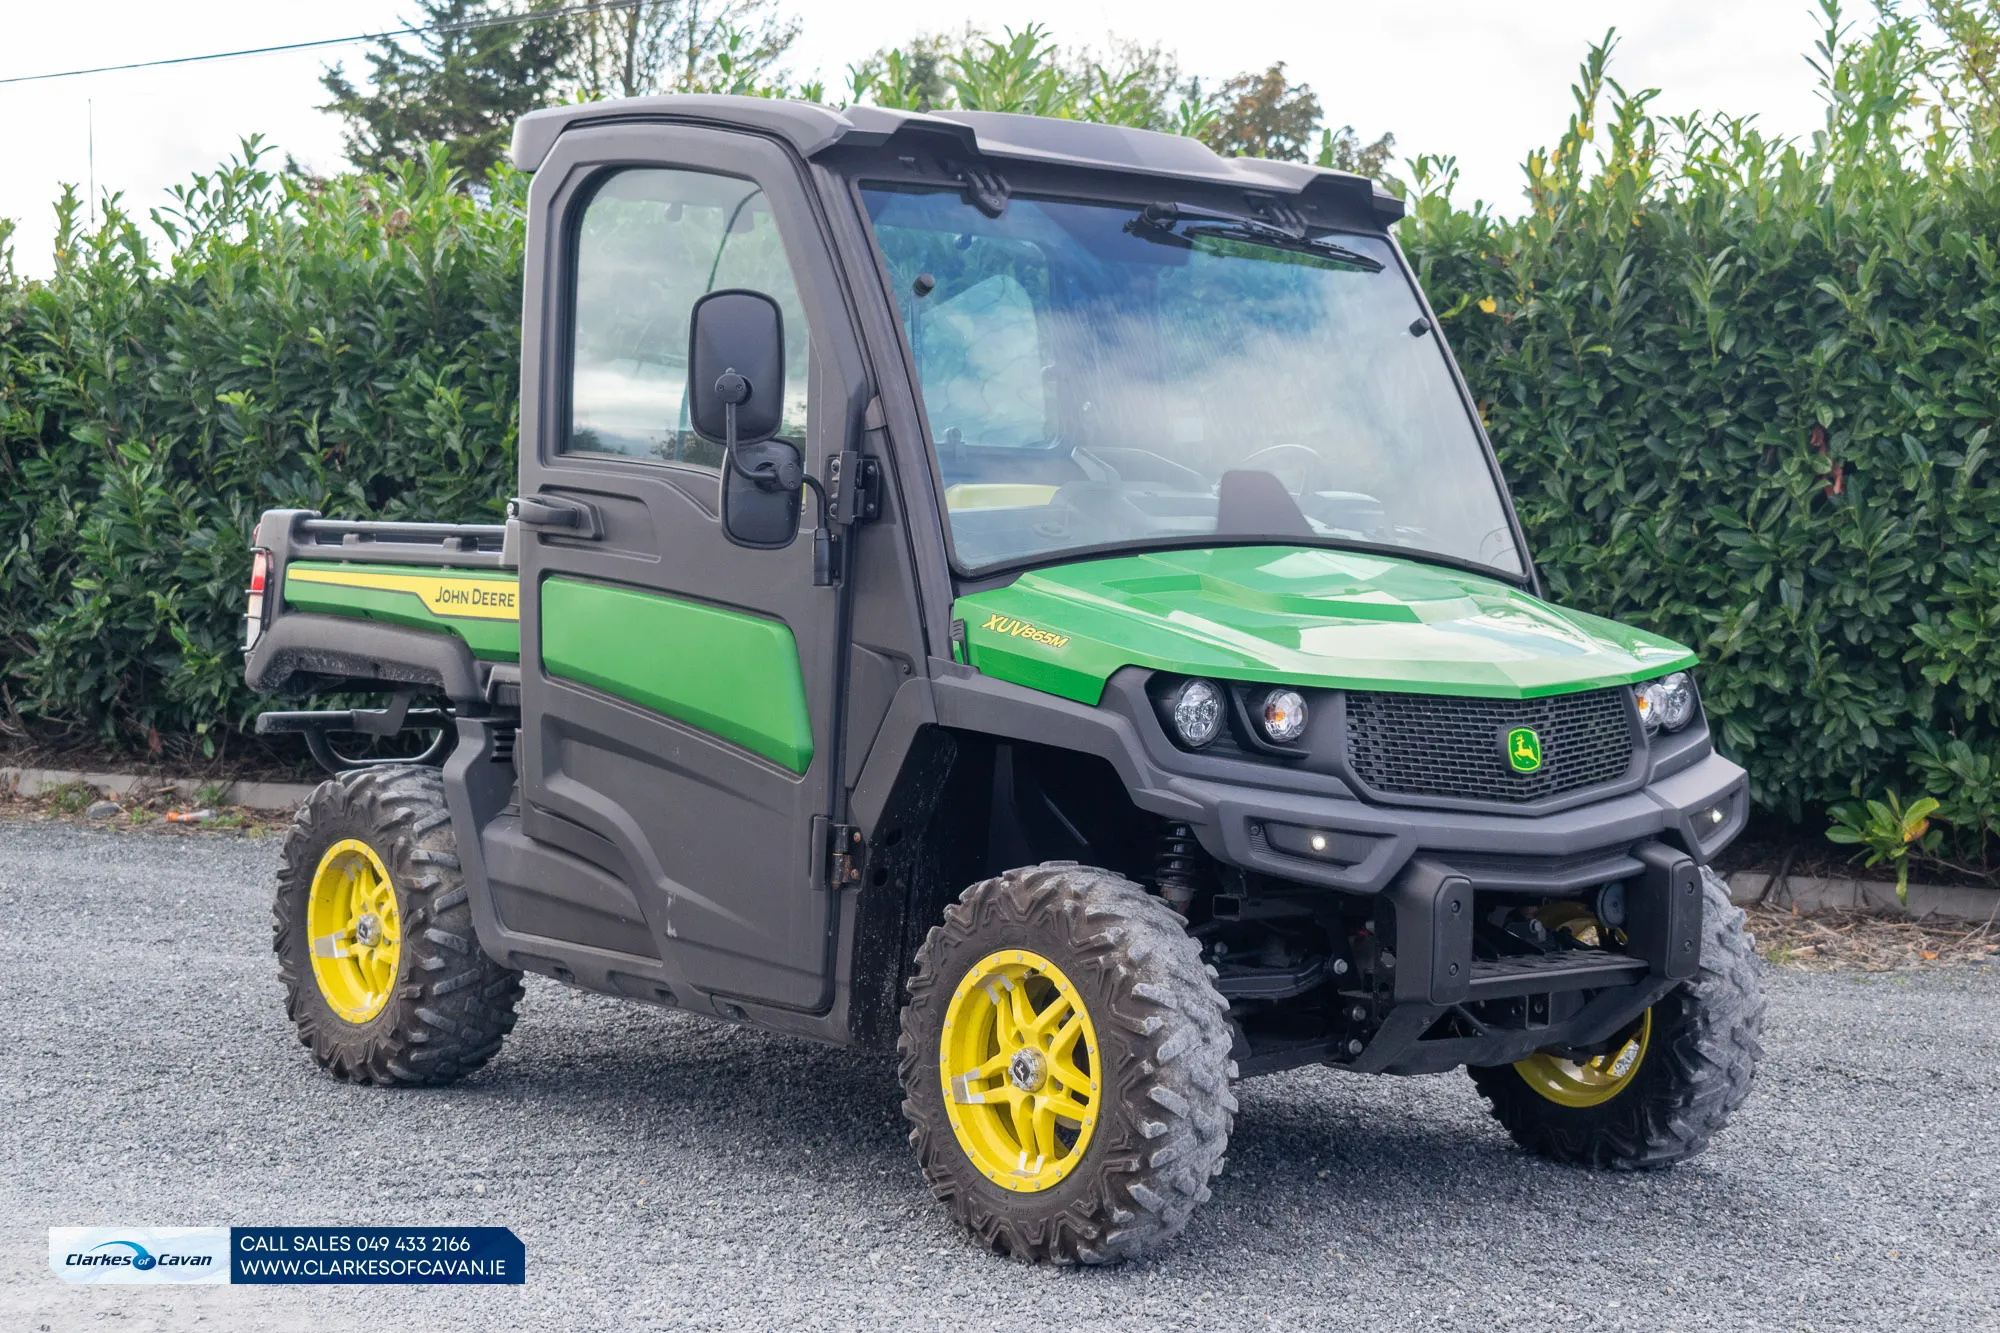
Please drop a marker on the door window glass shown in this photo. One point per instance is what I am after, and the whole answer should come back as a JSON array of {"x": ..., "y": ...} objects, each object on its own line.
[{"x": 652, "y": 241}]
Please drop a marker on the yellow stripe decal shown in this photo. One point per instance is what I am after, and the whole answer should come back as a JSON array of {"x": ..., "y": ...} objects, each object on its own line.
[{"x": 441, "y": 594}]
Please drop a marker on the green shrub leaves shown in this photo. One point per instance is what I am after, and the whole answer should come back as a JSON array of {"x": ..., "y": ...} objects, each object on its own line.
[
  {"x": 347, "y": 345},
  {"x": 1745, "y": 393}
]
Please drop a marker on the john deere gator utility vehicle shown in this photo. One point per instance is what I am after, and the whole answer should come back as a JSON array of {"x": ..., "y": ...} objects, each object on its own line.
[{"x": 1030, "y": 594}]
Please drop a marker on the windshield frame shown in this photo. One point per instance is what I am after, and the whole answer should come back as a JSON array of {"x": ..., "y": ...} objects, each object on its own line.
[{"x": 1122, "y": 190}]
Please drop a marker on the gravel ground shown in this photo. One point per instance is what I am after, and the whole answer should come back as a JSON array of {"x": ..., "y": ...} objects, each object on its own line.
[{"x": 671, "y": 1173}]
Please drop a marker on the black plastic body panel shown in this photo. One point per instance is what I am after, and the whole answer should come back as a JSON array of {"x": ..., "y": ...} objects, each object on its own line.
[
  {"x": 301, "y": 652},
  {"x": 1230, "y": 802},
  {"x": 1665, "y": 913},
  {"x": 1432, "y": 911}
]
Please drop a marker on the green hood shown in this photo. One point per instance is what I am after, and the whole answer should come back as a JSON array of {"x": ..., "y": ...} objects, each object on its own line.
[{"x": 1300, "y": 616}]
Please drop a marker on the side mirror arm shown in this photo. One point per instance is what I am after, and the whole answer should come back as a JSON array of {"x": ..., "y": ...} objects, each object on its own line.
[{"x": 732, "y": 389}]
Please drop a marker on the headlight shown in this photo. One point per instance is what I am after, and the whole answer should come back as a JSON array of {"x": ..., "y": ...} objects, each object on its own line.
[
  {"x": 1282, "y": 716},
  {"x": 1678, "y": 709},
  {"x": 1667, "y": 702},
  {"x": 1197, "y": 712}
]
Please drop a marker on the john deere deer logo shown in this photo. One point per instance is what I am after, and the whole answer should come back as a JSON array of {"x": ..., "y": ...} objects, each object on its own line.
[{"x": 1524, "y": 750}]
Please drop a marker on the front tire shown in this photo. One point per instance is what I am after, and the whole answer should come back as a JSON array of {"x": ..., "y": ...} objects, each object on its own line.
[
  {"x": 1666, "y": 1086},
  {"x": 1065, "y": 1063},
  {"x": 382, "y": 970}
]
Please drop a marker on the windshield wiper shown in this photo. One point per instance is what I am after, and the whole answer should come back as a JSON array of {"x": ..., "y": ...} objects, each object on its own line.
[{"x": 1156, "y": 222}]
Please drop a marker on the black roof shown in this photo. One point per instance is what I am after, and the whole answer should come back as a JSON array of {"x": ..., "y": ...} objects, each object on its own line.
[{"x": 813, "y": 129}]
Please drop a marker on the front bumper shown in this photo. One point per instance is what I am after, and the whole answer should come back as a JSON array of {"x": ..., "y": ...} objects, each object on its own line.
[
  {"x": 1437, "y": 1006},
  {"x": 1699, "y": 809}
]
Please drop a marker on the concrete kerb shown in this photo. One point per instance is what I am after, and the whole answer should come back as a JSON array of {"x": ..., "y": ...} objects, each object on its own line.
[
  {"x": 1814, "y": 895},
  {"x": 1806, "y": 893},
  {"x": 253, "y": 795}
]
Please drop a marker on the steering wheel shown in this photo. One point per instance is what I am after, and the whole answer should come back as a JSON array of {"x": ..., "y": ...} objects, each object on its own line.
[
  {"x": 1102, "y": 504},
  {"x": 1316, "y": 469}
]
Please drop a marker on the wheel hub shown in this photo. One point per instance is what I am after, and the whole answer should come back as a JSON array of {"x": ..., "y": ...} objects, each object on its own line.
[
  {"x": 1028, "y": 1070},
  {"x": 368, "y": 930},
  {"x": 1591, "y": 1082}
]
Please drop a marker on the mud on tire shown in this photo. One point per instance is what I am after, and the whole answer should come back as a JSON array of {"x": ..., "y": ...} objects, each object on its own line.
[
  {"x": 1698, "y": 1067},
  {"x": 1163, "y": 1038},
  {"x": 451, "y": 1005}
]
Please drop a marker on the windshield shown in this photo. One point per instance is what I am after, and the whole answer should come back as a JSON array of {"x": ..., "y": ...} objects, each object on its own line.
[{"x": 1094, "y": 379}]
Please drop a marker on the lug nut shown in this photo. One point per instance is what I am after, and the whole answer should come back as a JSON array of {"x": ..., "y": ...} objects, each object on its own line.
[{"x": 1354, "y": 1046}]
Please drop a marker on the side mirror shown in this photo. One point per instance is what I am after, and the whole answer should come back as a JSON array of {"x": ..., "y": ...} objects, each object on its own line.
[{"x": 736, "y": 398}]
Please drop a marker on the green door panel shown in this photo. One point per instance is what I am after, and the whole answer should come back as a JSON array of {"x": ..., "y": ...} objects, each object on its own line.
[
  {"x": 480, "y": 606},
  {"x": 734, "y": 675},
  {"x": 1302, "y": 616}
]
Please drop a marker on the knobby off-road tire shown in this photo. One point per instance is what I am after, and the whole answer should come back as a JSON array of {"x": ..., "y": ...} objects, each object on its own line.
[
  {"x": 449, "y": 1005},
  {"x": 1162, "y": 1041},
  {"x": 1699, "y": 1060}
]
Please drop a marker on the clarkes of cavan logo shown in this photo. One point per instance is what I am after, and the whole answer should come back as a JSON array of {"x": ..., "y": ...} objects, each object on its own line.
[
  {"x": 139, "y": 1254},
  {"x": 1524, "y": 750}
]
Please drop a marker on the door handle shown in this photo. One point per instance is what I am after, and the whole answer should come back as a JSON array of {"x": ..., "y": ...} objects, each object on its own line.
[{"x": 553, "y": 513}]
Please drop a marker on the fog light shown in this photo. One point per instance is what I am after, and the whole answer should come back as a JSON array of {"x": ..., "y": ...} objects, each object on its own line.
[
  {"x": 1282, "y": 717},
  {"x": 1611, "y": 903},
  {"x": 1198, "y": 713},
  {"x": 1319, "y": 842}
]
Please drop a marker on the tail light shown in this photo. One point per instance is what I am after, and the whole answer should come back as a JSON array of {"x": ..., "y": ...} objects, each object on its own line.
[{"x": 254, "y": 618}]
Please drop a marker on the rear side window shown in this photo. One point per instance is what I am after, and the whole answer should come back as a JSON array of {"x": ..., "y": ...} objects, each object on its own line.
[{"x": 651, "y": 242}]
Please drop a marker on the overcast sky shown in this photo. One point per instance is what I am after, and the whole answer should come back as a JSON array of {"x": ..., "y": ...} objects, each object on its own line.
[{"x": 1483, "y": 81}]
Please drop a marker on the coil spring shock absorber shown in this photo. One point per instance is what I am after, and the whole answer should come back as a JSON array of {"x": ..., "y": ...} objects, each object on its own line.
[{"x": 1180, "y": 866}]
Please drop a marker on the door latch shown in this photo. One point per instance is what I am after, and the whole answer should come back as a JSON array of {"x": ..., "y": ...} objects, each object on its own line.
[{"x": 556, "y": 514}]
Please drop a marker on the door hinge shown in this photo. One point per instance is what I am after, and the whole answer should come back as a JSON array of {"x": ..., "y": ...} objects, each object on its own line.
[
  {"x": 844, "y": 848},
  {"x": 854, "y": 488}
]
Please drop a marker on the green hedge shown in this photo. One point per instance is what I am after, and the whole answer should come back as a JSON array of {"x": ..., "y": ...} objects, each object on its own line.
[
  {"x": 1745, "y": 393},
  {"x": 348, "y": 346}
]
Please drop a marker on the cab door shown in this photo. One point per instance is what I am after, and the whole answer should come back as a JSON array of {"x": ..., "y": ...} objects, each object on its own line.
[{"x": 675, "y": 687}]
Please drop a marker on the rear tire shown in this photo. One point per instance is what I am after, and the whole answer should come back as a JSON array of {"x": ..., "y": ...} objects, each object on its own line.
[
  {"x": 435, "y": 1006},
  {"x": 1126, "y": 1176},
  {"x": 1699, "y": 1059}
]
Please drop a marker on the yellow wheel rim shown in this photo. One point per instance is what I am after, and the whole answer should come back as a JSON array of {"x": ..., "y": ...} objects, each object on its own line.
[
  {"x": 1594, "y": 1081},
  {"x": 1018, "y": 1061},
  {"x": 356, "y": 933}
]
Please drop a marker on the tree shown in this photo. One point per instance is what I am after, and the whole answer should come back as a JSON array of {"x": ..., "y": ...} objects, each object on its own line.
[
  {"x": 621, "y": 52},
  {"x": 1026, "y": 72},
  {"x": 729, "y": 46},
  {"x": 465, "y": 83},
  {"x": 1966, "y": 65},
  {"x": 1263, "y": 116},
  {"x": 689, "y": 46},
  {"x": 1343, "y": 150},
  {"x": 908, "y": 77}
]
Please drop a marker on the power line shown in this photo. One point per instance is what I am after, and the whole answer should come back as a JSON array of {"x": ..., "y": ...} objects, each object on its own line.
[{"x": 568, "y": 12}]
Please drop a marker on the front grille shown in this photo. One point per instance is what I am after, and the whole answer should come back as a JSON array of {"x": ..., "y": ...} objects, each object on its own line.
[{"x": 1435, "y": 745}]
